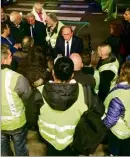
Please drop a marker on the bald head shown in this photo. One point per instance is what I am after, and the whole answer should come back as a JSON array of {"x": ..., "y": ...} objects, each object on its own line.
[
  {"x": 15, "y": 17},
  {"x": 77, "y": 61}
]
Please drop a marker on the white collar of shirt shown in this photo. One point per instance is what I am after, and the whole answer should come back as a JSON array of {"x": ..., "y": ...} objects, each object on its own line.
[{"x": 70, "y": 42}]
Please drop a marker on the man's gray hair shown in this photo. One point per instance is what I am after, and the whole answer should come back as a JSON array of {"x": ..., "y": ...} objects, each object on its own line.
[
  {"x": 38, "y": 5},
  {"x": 52, "y": 16},
  {"x": 30, "y": 15}
]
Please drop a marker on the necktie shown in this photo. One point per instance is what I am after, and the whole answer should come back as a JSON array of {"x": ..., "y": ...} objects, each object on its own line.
[
  {"x": 67, "y": 48},
  {"x": 31, "y": 31}
]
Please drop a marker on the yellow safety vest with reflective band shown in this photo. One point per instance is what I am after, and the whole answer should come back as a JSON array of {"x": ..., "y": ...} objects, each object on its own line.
[
  {"x": 122, "y": 128},
  {"x": 13, "y": 111},
  {"x": 114, "y": 66},
  {"x": 57, "y": 127},
  {"x": 53, "y": 38}
]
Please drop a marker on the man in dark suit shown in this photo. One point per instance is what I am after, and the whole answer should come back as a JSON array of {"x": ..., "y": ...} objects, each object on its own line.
[
  {"x": 18, "y": 26},
  {"x": 37, "y": 31},
  {"x": 68, "y": 43}
]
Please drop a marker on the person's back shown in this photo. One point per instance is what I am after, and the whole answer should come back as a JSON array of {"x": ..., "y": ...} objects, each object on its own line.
[
  {"x": 62, "y": 109},
  {"x": 89, "y": 67}
]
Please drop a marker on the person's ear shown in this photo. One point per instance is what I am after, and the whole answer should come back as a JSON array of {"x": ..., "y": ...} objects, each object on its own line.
[
  {"x": 72, "y": 75},
  {"x": 53, "y": 74}
]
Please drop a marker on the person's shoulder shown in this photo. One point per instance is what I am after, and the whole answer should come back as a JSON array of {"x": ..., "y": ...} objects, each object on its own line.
[{"x": 77, "y": 38}]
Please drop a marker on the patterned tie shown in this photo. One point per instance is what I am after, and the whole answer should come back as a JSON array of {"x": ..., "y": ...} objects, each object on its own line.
[{"x": 67, "y": 48}]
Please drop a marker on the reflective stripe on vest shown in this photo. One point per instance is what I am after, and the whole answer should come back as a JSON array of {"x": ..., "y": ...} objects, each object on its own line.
[
  {"x": 58, "y": 128},
  {"x": 13, "y": 110},
  {"x": 58, "y": 140},
  {"x": 9, "y": 93},
  {"x": 114, "y": 66}
]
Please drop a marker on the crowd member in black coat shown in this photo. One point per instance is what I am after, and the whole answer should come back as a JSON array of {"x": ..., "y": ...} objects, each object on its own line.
[
  {"x": 126, "y": 32},
  {"x": 75, "y": 43},
  {"x": 37, "y": 31},
  {"x": 114, "y": 40},
  {"x": 19, "y": 27},
  {"x": 4, "y": 17}
]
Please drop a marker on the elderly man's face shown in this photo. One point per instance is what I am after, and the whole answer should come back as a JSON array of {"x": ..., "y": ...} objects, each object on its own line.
[
  {"x": 127, "y": 16},
  {"x": 38, "y": 10},
  {"x": 67, "y": 33},
  {"x": 18, "y": 20},
  {"x": 31, "y": 20},
  {"x": 100, "y": 51},
  {"x": 49, "y": 22}
]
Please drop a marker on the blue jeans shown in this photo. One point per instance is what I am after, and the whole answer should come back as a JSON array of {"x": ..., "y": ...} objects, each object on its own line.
[{"x": 19, "y": 141}]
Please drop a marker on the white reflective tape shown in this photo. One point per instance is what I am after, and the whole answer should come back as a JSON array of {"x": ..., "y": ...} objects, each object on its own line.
[
  {"x": 121, "y": 133},
  {"x": 9, "y": 97},
  {"x": 9, "y": 93},
  {"x": 59, "y": 140},
  {"x": 7, "y": 118},
  {"x": 58, "y": 128}
]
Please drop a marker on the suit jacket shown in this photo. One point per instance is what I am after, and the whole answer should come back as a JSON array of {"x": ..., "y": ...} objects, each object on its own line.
[
  {"x": 11, "y": 45},
  {"x": 39, "y": 34},
  {"x": 19, "y": 33},
  {"x": 76, "y": 46}
]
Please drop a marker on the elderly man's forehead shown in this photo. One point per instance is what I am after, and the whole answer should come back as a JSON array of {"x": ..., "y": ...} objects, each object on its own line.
[
  {"x": 67, "y": 29},
  {"x": 127, "y": 12},
  {"x": 75, "y": 56}
]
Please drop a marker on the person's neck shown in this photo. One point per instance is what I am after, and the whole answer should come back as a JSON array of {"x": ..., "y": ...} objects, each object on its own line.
[
  {"x": 104, "y": 57},
  {"x": 54, "y": 25},
  {"x": 4, "y": 35}
]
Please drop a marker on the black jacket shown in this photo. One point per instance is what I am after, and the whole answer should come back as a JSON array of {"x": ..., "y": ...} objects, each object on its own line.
[
  {"x": 85, "y": 79},
  {"x": 125, "y": 36},
  {"x": 39, "y": 34},
  {"x": 60, "y": 96},
  {"x": 76, "y": 46},
  {"x": 19, "y": 33}
]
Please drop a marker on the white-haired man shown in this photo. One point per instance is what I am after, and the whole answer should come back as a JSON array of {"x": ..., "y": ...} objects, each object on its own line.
[
  {"x": 39, "y": 12},
  {"x": 19, "y": 27}
]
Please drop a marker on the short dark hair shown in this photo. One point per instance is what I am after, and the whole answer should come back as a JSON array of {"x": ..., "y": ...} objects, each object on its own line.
[
  {"x": 4, "y": 25},
  {"x": 86, "y": 58},
  {"x": 63, "y": 68}
]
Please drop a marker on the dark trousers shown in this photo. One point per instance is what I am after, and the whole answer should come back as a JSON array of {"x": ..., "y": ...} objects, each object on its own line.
[
  {"x": 51, "y": 151},
  {"x": 118, "y": 147},
  {"x": 19, "y": 141}
]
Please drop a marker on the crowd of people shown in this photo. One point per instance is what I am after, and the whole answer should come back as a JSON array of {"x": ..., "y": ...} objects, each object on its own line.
[{"x": 44, "y": 67}]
